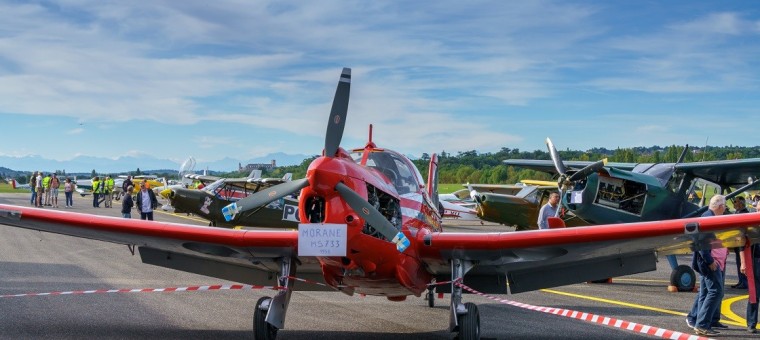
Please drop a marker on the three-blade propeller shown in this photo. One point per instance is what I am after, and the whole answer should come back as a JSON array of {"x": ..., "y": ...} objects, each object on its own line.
[
  {"x": 566, "y": 181},
  {"x": 333, "y": 136}
]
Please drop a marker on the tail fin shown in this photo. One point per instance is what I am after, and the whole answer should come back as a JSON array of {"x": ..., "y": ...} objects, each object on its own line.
[
  {"x": 288, "y": 176},
  {"x": 13, "y": 183},
  {"x": 255, "y": 174},
  {"x": 432, "y": 184}
]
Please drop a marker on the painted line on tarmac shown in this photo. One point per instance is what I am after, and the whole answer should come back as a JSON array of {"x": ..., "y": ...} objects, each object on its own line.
[
  {"x": 181, "y": 216},
  {"x": 732, "y": 320},
  {"x": 725, "y": 309},
  {"x": 595, "y": 319}
]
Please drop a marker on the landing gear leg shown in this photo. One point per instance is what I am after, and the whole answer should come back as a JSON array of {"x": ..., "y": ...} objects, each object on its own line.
[
  {"x": 430, "y": 297},
  {"x": 269, "y": 315},
  {"x": 464, "y": 319}
]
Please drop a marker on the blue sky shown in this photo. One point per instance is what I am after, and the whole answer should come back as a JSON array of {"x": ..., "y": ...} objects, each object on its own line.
[{"x": 242, "y": 79}]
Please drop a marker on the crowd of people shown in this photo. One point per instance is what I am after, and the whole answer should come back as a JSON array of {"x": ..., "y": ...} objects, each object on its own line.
[{"x": 45, "y": 190}]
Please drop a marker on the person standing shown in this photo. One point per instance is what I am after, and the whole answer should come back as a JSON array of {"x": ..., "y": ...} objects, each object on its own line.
[
  {"x": 548, "y": 210},
  {"x": 68, "y": 190},
  {"x": 146, "y": 202},
  {"x": 127, "y": 203},
  {"x": 710, "y": 289},
  {"x": 55, "y": 183},
  {"x": 46, "y": 187},
  {"x": 752, "y": 307},
  {"x": 40, "y": 190},
  {"x": 108, "y": 190},
  {"x": 33, "y": 187},
  {"x": 740, "y": 204},
  {"x": 96, "y": 192},
  {"x": 126, "y": 184}
]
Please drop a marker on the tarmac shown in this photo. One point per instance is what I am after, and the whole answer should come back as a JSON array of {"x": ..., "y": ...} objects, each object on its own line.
[{"x": 36, "y": 262}]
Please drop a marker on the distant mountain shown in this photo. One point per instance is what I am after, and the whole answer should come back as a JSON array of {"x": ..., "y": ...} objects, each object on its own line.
[{"x": 85, "y": 164}]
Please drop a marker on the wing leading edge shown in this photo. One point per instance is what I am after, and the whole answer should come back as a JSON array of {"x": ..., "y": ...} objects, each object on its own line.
[
  {"x": 530, "y": 260},
  {"x": 248, "y": 256}
]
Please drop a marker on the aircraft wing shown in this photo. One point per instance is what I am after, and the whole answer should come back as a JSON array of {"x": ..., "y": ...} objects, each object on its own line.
[
  {"x": 253, "y": 184},
  {"x": 548, "y": 167},
  {"x": 728, "y": 172},
  {"x": 522, "y": 261},
  {"x": 504, "y": 189},
  {"x": 531, "y": 260},
  {"x": 247, "y": 256},
  {"x": 205, "y": 179}
]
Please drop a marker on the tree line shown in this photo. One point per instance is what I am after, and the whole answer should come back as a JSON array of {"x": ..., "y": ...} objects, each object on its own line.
[{"x": 487, "y": 167}]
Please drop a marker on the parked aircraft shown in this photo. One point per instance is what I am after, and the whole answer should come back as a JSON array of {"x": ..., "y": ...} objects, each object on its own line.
[
  {"x": 601, "y": 192},
  {"x": 208, "y": 202},
  {"x": 516, "y": 204},
  {"x": 458, "y": 206},
  {"x": 17, "y": 186},
  {"x": 372, "y": 226}
]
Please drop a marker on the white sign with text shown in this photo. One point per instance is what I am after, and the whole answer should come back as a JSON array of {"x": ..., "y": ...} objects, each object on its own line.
[{"x": 316, "y": 239}]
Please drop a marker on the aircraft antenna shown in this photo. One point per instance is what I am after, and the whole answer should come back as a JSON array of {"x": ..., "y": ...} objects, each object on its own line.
[{"x": 370, "y": 134}]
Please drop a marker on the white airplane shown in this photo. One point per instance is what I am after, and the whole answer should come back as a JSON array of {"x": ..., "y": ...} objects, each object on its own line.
[{"x": 17, "y": 186}]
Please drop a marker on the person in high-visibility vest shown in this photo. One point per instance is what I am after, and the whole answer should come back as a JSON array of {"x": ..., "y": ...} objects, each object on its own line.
[
  {"x": 46, "y": 188},
  {"x": 108, "y": 191},
  {"x": 96, "y": 192}
]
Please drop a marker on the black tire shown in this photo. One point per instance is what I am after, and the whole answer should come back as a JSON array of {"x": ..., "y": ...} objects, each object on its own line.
[
  {"x": 431, "y": 299},
  {"x": 261, "y": 329},
  {"x": 683, "y": 278},
  {"x": 469, "y": 324}
]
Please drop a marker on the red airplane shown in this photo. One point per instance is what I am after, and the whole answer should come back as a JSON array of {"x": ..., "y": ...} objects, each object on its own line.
[{"x": 374, "y": 228}]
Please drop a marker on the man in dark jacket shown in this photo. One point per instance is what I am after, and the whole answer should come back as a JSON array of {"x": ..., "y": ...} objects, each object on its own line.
[
  {"x": 146, "y": 202},
  {"x": 127, "y": 203}
]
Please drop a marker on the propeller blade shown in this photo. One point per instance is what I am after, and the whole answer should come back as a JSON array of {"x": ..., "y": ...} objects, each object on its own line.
[
  {"x": 588, "y": 170},
  {"x": 555, "y": 157},
  {"x": 473, "y": 194},
  {"x": 338, "y": 114},
  {"x": 373, "y": 217},
  {"x": 263, "y": 197}
]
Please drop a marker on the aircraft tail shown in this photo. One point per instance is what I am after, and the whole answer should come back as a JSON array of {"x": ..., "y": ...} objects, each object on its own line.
[
  {"x": 256, "y": 173},
  {"x": 288, "y": 177},
  {"x": 432, "y": 184},
  {"x": 13, "y": 183}
]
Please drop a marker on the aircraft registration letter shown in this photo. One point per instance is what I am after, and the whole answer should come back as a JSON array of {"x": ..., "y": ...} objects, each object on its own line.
[{"x": 316, "y": 239}]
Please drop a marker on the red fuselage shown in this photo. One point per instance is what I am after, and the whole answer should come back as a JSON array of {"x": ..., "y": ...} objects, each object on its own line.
[{"x": 372, "y": 264}]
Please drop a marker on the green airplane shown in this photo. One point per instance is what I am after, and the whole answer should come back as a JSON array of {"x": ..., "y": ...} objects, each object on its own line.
[
  {"x": 216, "y": 193},
  {"x": 602, "y": 193},
  {"x": 516, "y": 204}
]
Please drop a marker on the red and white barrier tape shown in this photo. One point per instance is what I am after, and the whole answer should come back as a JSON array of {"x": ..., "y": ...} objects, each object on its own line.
[
  {"x": 593, "y": 318},
  {"x": 437, "y": 283},
  {"x": 148, "y": 290}
]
